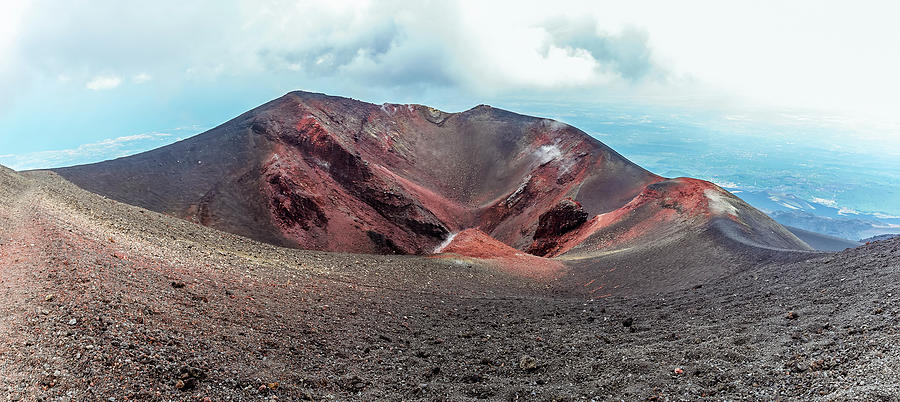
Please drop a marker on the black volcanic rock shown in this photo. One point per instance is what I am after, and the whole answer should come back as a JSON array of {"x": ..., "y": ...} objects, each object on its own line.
[{"x": 559, "y": 220}]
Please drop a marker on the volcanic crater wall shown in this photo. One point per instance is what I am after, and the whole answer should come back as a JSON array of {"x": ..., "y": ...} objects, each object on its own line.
[{"x": 330, "y": 173}]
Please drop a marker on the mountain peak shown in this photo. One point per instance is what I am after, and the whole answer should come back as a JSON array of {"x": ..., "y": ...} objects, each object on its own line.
[{"x": 323, "y": 172}]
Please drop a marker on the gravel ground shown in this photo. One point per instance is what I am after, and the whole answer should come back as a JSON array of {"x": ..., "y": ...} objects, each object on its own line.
[{"x": 102, "y": 300}]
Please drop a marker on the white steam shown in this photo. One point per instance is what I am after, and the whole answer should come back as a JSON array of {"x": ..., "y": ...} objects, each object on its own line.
[
  {"x": 547, "y": 153},
  {"x": 718, "y": 203},
  {"x": 445, "y": 243}
]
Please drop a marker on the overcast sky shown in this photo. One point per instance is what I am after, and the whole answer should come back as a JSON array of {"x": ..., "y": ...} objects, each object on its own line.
[{"x": 101, "y": 77}]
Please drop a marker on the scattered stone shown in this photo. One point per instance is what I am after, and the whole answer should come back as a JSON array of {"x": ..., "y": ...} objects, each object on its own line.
[
  {"x": 819, "y": 364},
  {"x": 354, "y": 384},
  {"x": 433, "y": 372},
  {"x": 528, "y": 363},
  {"x": 419, "y": 389},
  {"x": 188, "y": 377},
  {"x": 472, "y": 378}
]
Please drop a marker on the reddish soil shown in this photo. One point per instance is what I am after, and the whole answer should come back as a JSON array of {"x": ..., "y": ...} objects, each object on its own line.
[{"x": 477, "y": 244}]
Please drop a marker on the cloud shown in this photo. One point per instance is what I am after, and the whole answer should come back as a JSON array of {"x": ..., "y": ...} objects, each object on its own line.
[
  {"x": 825, "y": 201},
  {"x": 94, "y": 152},
  {"x": 325, "y": 52},
  {"x": 381, "y": 45},
  {"x": 101, "y": 83},
  {"x": 355, "y": 46},
  {"x": 847, "y": 211},
  {"x": 142, "y": 78},
  {"x": 11, "y": 70},
  {"x": 626, "y": 53},
  {"x": 496, "y": 50},
  {"x": 454, "y": 46}
]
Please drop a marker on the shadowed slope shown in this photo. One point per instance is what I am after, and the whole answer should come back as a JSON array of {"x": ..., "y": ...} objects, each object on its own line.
[{"x": 823, "y": 242}]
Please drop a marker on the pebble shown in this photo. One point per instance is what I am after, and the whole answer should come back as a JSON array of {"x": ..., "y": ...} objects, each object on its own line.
[{"x": 527, "y": 363}]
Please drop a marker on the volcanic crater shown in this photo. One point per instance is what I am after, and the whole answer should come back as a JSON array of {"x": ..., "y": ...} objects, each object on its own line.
[{"x": 321, "y": 172}]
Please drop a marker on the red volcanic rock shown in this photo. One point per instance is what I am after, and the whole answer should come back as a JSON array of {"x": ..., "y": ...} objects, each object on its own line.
[
  {"x": 673, "y": 206},
  {"x": 329, "y": 173},
  {"x": 477, "y": 244}
]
